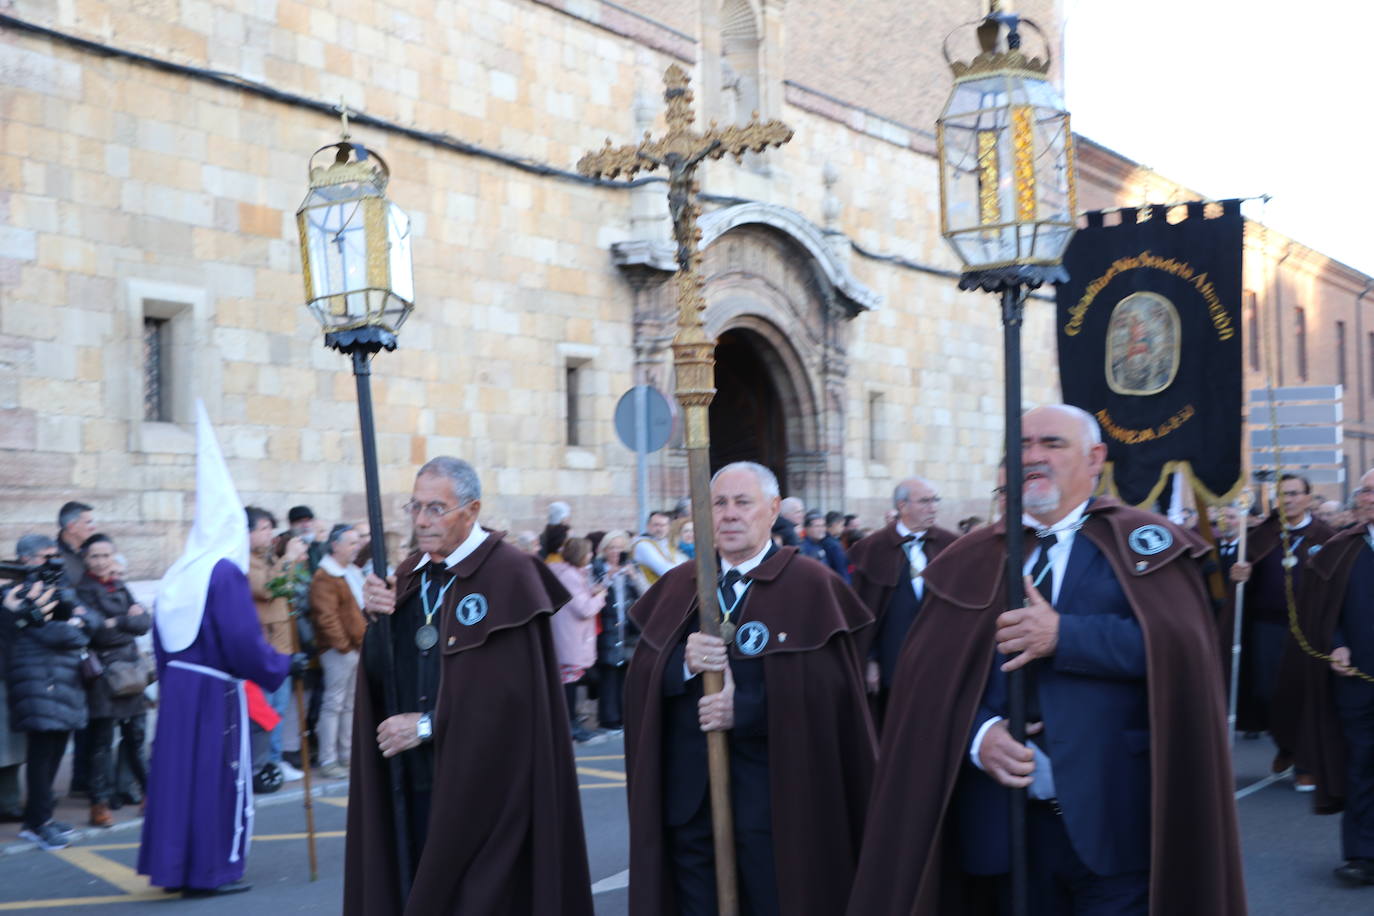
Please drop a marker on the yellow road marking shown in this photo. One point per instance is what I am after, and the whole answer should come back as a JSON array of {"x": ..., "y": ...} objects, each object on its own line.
[
  {"x": 337, "y": 802},
  {"x": 107, "y": 870},
  {"x": 603, "y": 785},
  {"x": 604, "y": 774},
  {"x": 320, "y": 834},
  {"x": 144, "y": 896},
  {"x": 601, "y": 757}
]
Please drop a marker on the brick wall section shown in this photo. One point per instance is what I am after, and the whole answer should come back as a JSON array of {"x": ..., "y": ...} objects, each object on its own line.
[{"x": 113, "y": 174}]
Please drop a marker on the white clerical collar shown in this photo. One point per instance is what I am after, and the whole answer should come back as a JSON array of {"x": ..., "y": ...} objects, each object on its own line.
[
  {"x": 1302, "y": 522},
  {"x": 475, "y": 538},
  {"x": 1069, "y": 523},
  {"x": 1370, "y": 529},
  {"x": 748, "y": 565}
]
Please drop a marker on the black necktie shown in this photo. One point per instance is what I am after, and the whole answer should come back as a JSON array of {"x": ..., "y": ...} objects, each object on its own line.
[
  {"x": 727, "y": 587},
  {"x": 1042, "y": 577},
  {"x": 1042, "y": 574}
]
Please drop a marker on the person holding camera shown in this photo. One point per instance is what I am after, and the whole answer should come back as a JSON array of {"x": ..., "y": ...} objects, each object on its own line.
[
  {"x": 32, "y": 550},
  {"x": 47, "y": 692},
  {"x": 615, "y": 644},
  {"x": 116, "y": 696}
]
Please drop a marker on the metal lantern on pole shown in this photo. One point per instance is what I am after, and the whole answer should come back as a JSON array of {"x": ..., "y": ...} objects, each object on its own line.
[
  {"x": 355, "y": 255},
  {"x": 1008, "y": 208},
  {"x": 1007, "y": 193},
  {"x": 355, "y": 244}
]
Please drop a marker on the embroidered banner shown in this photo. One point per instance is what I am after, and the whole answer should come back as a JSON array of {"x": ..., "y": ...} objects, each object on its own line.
[{"x": 1150, "y": 344}]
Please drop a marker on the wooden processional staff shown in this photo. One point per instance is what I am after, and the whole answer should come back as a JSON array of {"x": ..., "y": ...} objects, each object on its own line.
[{"x": 680, "y": 151}]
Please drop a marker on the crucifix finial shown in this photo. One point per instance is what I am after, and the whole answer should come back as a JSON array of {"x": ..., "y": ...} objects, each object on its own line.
[{"x": 344, "y": 112}]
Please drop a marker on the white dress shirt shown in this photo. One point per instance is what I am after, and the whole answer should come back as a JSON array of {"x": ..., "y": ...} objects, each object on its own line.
[
  {"x": 1042, "y": 784},
  {"x": 475, "y": 537},
  {"x": 739, "y": 587},
  {"x": 915, "y": 555}
]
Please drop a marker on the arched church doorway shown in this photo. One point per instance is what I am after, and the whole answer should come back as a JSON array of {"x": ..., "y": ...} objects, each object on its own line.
[{"x": 747, "y": 416}]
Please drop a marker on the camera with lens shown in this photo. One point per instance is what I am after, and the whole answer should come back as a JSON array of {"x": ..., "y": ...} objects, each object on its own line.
[{"x": 50, "y": 573}]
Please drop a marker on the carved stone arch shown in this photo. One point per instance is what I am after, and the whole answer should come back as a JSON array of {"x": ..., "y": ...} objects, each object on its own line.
[
  {"x": 763, "y": 290},
  {"x": 778, "y": 300}
]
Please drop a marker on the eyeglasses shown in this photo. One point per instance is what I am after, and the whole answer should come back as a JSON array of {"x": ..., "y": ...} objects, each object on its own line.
[
  {"x": 429, "y": 510},
  {"x": 1362, "y": 493},
  {"x": 926, "y": 501}
]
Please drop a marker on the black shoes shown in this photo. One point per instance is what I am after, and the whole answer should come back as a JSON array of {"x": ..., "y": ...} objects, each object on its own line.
[
  {"x": 1357, "y": 871},
  {"x": 224, "y": 890}
]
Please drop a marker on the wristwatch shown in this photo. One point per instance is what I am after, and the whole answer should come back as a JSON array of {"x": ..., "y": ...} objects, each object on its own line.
[{"x": 424, "y": 729}]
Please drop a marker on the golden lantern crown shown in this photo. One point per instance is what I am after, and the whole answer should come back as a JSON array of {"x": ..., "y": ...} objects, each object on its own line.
[
  {"x": 355, "y": 244},
  {"x": 1008, "y": 200}
]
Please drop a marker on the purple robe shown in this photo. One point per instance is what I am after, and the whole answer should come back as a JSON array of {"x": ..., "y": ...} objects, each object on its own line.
[{"x": 189, "y": 829}]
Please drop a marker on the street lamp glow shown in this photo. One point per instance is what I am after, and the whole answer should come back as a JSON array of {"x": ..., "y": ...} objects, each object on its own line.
[{"x": 1008, "y": 201}]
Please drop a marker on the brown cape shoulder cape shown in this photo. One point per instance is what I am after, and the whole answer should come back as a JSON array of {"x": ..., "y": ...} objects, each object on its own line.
[
  {"x": 505, "y": 821},
  {"x": 880, "y": 565},
  {"x": 820, "y": 738},
  {"x": 1287, "y": 703},
  {"x": 1320, "y": 739},
  {"x": 940, "y": 680}
]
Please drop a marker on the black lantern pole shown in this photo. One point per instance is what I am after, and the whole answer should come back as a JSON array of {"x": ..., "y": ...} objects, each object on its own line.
[
  {"x": 355, "y": 251},
  {"x": 1008, "y": 208},
  {"x": 361, "y": 344}
]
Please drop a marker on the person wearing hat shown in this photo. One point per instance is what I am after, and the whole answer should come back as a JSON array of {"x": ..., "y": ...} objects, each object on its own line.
[
  {"x": 210, "y": 646},
  {"x": 301, "y": 520}
]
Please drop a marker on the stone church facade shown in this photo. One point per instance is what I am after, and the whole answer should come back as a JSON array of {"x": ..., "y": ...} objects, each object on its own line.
[{"x": 152, "y": 155}]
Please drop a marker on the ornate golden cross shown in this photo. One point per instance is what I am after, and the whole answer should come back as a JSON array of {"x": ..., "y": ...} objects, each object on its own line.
[{"x": 680, "y": 151}]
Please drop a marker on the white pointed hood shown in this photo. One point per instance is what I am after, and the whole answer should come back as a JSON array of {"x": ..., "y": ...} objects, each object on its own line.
[{"x": 220, "y": 532}]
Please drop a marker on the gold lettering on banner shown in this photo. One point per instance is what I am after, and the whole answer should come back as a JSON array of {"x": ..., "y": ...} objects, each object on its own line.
[
  {"x": 1220, "y": 317},
  {"x": 1137, "y": 436}
]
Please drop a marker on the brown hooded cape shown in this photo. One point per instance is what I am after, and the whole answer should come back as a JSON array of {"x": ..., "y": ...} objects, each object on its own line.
[
  {"x": 820, "y": 739},
  {"x": 505, "y": 821},
  {"x": 1287, "y": 704},
  {"x": 1321, "y": 740},
  {"x": 1195, "y": 852},
  {"x": 880, "y": 565}
]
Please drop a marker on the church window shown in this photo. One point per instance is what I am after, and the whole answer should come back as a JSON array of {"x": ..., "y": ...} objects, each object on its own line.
[
  {"x": 577, "y": 397},
  {"x": 1340, "y": 352},
  {"x": 877, "y": 432},
  {"x": 156, "y": 334},
  {"x": 1252, "y": 328},
  {"x": 1300, "y": 340},
  {"x": 739, "y": 61}
]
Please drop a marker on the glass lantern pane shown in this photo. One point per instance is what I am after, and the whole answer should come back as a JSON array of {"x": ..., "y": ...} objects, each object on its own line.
[
  {"x": 398, "y": 241},
  {"x": 337, "y": 245}
]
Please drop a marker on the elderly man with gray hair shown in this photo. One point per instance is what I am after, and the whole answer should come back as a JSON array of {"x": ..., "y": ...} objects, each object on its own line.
[
  {"x": 801, "y": 745},
  {"x": 888, "y": 568},
  {"x": 479, "y": 724}
]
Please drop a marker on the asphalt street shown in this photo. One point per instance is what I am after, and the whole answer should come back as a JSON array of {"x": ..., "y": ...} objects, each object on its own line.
[{"x": 1289, "y": 854}]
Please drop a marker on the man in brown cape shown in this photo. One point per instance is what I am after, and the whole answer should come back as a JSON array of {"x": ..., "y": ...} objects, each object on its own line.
[
  {"x": 1129, "y": 773},
  {"x": 887, "y": 577},
  {"x": 801, "y": 743},
  {"x": 1337, "y": 734},
  {"x": 1270, "y": 691},
  {"x": 490, "y": 793}
]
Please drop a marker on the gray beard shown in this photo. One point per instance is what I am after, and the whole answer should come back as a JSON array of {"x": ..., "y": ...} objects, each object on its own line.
[{"x": 1044, "y": 502}]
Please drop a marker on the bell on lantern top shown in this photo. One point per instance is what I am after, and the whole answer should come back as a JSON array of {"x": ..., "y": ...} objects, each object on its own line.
[
  {"x": 1008, "y": 202},
  {"x": 355, "y": 244}
]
